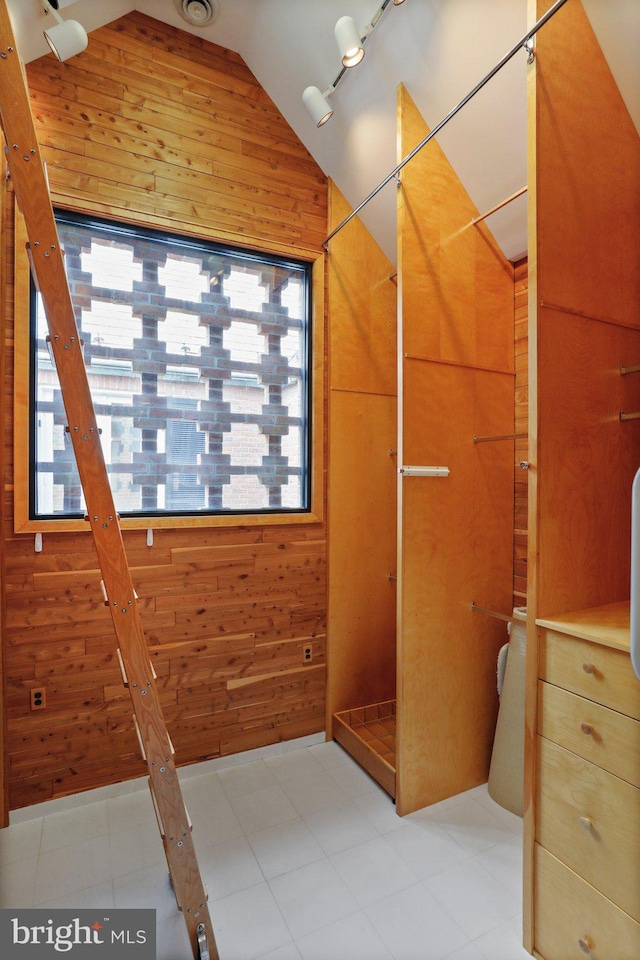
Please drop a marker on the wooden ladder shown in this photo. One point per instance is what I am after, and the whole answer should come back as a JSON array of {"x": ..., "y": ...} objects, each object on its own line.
[{"x": 29, "y": 179}]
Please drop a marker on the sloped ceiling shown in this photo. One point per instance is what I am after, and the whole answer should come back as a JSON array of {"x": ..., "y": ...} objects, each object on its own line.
[{"x": 439, "y": 49}]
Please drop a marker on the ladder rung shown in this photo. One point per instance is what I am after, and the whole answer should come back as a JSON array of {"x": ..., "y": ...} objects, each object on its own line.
[
  {"x": 156, "y": 809},
  {"x": 122, "y": 668},
  {"x": 142, "y": 749}
]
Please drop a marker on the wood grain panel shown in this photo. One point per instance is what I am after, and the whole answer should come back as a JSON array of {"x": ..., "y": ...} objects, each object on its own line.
[
  {"x": 590, "y": 820},
  {"x": 608, "y": 679},
  {"x": 521, "y": 426},
  {"x": 6, "y": 298},
  {"x": 155, "y": 126},
  {"x": 584, "y": 301},
  {"x": 588, "y": 256},
  {"x": 362, "y": 291},
  {"x": 362, "y": 434},
  {"x": 172, "y": 114},
  {"x": 456, "y": 532},
  {"x": 586, "y": 461},
  {"x": 570, "y": 910},
  {"x": 600, "y": 735},
  {"x": 362, "y": 550},
  {"x": 456, "y": 549},
  {"x": 457, "y": 321}
]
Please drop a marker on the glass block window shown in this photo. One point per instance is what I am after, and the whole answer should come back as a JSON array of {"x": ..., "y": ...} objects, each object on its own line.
[{"x": 198, "y": 364}]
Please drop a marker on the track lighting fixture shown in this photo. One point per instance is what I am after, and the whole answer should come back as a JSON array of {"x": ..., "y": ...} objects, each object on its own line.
[
  {"x": 318, "y": 105},
  {"x": 350, "y": 43},
  {"x": 351, "y": 48},
  {"x": 67, "y": 37}
]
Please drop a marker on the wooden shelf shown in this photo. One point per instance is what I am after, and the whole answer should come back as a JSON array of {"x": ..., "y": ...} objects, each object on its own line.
[{"x": 369, "y": 735}]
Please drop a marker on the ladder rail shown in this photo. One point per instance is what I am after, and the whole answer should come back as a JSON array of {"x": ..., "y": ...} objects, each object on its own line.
[{"x": 28, "y": 175}]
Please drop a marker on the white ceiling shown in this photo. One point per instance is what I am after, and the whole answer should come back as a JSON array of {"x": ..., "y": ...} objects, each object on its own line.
[{"x": 440, "y": 49}]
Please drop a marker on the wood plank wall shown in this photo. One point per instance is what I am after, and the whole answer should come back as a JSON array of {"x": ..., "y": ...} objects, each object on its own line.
[
  {"x": 6, "y": 299},
  {"x": 456, "y": 330},
  {"x": 362, "y": 466},
  {"x": 155, "y": 126},
  {"x": 150, "y": 122},
  {"x": 521, "y": 447}
]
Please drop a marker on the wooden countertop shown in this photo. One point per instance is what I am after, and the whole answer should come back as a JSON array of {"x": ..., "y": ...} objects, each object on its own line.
[{"x": 608, "y": 625}]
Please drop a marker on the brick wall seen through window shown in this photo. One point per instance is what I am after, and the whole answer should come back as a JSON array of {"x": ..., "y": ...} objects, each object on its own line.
[{"x": 198, "y": 364}]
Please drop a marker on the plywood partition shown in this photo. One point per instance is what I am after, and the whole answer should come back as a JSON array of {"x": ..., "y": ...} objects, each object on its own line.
[
  {"x": 521, "y": 446},
  {"x": 584, "y": 322},
  {"x": 456, "y": 380},
  {"x": 585, "y": 300},
  {"x": 362, "y": 467}
]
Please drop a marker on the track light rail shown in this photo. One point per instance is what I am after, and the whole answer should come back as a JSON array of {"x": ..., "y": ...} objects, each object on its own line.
[{"x": 394, "y": 173}]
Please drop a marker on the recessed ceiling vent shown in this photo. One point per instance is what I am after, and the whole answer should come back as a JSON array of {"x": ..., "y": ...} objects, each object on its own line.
[{"x": 198, "y": 13}]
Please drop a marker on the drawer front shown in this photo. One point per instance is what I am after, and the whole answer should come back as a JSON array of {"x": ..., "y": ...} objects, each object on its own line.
[
  {"x": 590, "y": 820},
  {"x": 603, "y": 736},
  {"x": 574, "y": 921},
  {"x": 590, "y": 670}
]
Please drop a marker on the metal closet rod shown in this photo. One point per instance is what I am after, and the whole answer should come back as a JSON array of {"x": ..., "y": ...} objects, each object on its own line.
[{"x": 394, "y": 173}]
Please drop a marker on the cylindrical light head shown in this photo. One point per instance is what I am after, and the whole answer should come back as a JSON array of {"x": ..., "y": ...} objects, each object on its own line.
[
  {"x": 349, "y": 41},
  {"x": 67, "y": 38},
  {"x": 317, "y": 105}
]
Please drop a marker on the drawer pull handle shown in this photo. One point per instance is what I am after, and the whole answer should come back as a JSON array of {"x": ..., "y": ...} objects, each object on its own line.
[
  {"x": 586, "y": 823},
  {"x": 585, "y": 944},
  {"x": 586, "y": 729},
  {"x": 588, "y": 667}
]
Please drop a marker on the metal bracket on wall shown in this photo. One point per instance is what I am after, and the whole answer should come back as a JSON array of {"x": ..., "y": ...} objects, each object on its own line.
[
  {"x": 530, "y": 49},
  {"x": 424, "y": 471}
]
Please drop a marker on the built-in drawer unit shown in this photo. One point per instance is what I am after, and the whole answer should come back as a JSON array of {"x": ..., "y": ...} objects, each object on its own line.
[
  {"x": 573, "y": 920},
  {"x": 590, "y": 820},
  {"x": 591, "y": 670},
  {"x": 586, "y": 789},
  {"x": 599, "y": 734}
]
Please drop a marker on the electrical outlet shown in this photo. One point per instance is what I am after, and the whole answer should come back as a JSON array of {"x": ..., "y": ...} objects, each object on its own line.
[
  {"x": 38, "y": 698},
  {"x": 307, "y": 653}
]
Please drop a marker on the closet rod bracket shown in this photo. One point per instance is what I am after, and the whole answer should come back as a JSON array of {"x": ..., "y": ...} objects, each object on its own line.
[
  {"x": 424, "y": 471},
  {"x": 530, "y": 50}
]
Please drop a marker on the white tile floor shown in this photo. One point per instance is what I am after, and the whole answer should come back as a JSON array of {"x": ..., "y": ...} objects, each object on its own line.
[{"x": 303, "y": 857}]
